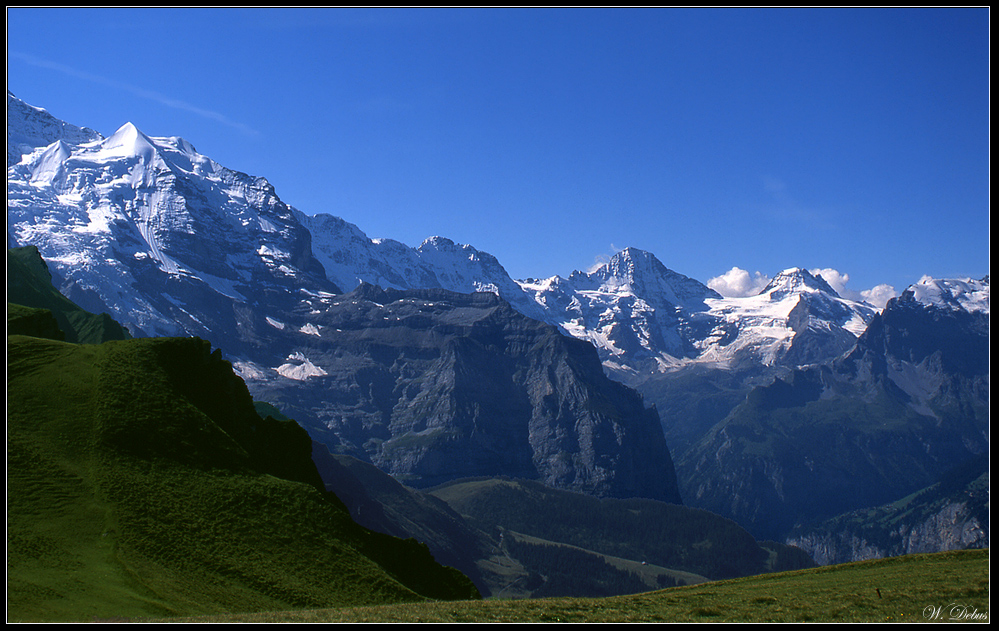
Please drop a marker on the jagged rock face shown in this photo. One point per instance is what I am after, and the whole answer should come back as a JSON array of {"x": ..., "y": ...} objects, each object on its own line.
[
  {"x": 908, "y": 403},
  {"x": 954, "y": 527},
  {"x": 433, "y": 386},
  {"x": 950, "y": 515}
]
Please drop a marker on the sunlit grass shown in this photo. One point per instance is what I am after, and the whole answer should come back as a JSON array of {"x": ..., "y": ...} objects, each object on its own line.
[{"x": 900, "y": 589}]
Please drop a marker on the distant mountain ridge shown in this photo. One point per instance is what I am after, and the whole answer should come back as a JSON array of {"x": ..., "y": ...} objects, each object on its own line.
[
  {"x": 169, "y": 242},
  {"x": 117, "y": 214},
  {"x": 907, "y": 403}
]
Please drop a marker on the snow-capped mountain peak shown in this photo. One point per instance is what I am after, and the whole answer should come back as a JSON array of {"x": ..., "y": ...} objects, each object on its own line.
[
  {"x": 796, "y": 280},
  {"x": 115, "y": 213},
  {"x": 128, "y": 141},
  {"x": 639, "y": 272},
  {"x": 49, "y": 163},
  {"x": 154, "y": 233},
  {"x": 951, "y": 294},
  {"x": 437, "y": 243}
]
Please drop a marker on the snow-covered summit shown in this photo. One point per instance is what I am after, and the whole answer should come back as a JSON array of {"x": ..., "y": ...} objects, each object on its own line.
[
  {"x": 795, "y": 280},
  {"x": 138, "y": 222},
  {"x": 30, "y": 127},
  {"x": 153, "y": 232},
  {"x": 639, "y": 272},
  {"x": 634, "y": 309},
  {"x": 798, "y": 318},
  {"x": 953, "y": 294},
  {"x": 644, "y": 317}
]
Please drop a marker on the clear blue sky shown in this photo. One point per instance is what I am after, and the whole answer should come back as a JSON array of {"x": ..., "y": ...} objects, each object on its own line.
[{"x": 761, "y": 139}]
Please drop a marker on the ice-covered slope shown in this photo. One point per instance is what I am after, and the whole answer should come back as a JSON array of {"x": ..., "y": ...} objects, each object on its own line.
[
  {"x": 797, "y": 319},
  {"x": 955, "y": 294},
  {"x": 111, "y": 214},
  {"x": 633, "y": 309},
  {"x": 166, "y": 240}
]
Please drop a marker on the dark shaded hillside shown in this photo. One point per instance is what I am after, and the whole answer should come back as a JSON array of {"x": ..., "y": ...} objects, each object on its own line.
[
  {"x": 142, "y": 482},
  {"x": 667, "y": 535},
  {"x": 29, "y": 284},
  {"x": 500, "y": 566},
  {"x": 379, "y": 502},
  {"x": 952, "y": 514}
]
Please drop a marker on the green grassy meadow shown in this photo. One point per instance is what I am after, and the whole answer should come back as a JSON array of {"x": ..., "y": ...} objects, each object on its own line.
[
  {"x": 142, "y": 483},
  {"x": 900, "y": 589}
]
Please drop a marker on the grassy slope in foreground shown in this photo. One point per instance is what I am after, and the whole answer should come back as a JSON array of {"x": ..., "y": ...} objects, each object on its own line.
[
  {"x": 911, "y": 588},
  {"x": 142, "y": 483}
]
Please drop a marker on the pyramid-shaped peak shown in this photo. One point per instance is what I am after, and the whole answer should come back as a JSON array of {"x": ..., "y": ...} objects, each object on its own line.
[
  {"x": 640, "y": 272},
  {"x": 128, "y": 131},
  {"x": 129, "y": 141},
  {"x": 634, "y": 254},
  {"x": 796, "y": 280},
  {"x": 630, "y": 262}
]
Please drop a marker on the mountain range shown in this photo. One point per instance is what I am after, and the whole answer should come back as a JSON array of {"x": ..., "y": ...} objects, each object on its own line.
[
  {"x": 907, "y": 403},
  {"x": 415, "y": 372},
  {"x": 163, "y": 433}
]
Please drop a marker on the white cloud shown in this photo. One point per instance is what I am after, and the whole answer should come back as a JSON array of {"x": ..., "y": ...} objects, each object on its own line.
[
  {"x": 835, "y": 278},
  {"x": 880, "y": 295},
  {"x": 877, "y": 296},
  {"x": 738, "y": 283}
]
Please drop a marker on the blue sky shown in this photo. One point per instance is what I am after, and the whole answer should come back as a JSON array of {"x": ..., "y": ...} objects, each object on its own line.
[{"x": 854, "y": 140}]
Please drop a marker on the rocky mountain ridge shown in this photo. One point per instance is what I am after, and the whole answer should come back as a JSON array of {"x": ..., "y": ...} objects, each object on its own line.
[
  {"x": 430, "y": 386},
  {"x": 169, "y": 242},
  {"x": 906, "y": 404},
  {"x": 115, "y": 214}
]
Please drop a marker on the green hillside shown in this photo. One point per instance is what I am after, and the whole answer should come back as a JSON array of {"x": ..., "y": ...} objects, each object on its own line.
[
  {"x": 29, "y": 284},
  {"x": 141, "y": 482},
  {"x": 940, "y": 587}
]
